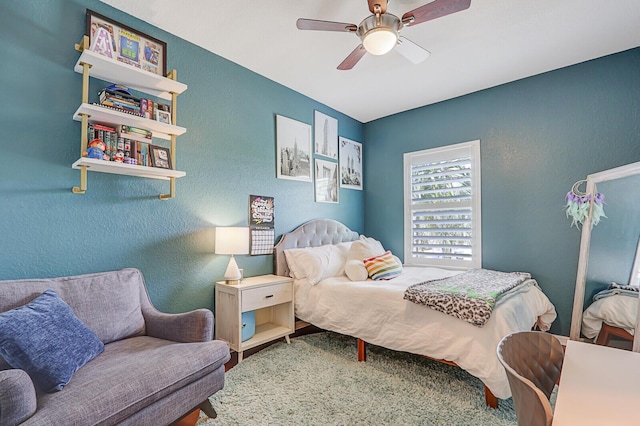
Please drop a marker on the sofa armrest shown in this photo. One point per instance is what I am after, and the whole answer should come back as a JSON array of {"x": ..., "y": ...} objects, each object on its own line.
[
  {"x": 189, "y": 327},
  {"x": 17, "y": 397}
]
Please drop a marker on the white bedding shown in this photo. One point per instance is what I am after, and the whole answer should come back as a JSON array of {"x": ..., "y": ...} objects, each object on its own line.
[
  {"x": 617, "y": 310},
  {"x": 376, "y": 312}
]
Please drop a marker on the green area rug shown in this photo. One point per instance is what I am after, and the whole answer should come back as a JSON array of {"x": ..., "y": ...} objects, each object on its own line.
[{"x": 317, "y": 380}]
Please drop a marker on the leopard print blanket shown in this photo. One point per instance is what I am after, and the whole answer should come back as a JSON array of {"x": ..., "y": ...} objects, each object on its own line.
[{"x": 469, "y": 296}]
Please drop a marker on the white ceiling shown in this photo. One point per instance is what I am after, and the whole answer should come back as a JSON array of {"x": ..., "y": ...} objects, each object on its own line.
[{"x": 491, "y": 43}]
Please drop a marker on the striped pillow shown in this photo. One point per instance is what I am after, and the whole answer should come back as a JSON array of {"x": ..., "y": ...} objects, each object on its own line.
[{"x": 383, "y": 267}]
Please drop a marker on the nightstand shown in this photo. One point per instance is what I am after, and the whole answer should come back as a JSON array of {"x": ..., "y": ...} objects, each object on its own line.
[{"x": 270, "y": 296}]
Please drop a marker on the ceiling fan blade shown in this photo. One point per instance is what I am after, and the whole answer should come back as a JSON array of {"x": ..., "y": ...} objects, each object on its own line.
[
  {"x": 353, "y": 58},
  {"x": 313, "y": 24},
  {"x": 433, "y": 10},
  {"x": 411, "y": 51}
]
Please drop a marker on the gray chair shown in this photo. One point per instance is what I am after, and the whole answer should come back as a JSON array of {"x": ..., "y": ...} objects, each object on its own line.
[{"x": 533, "y": 361}]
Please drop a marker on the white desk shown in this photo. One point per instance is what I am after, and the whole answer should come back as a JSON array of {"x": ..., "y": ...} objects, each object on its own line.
[{"x": 598, "y": 386}]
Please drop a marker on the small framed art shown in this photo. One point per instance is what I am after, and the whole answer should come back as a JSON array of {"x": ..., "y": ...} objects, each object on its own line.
[
  {"x": 163, "y": 116},
  {"x": 326, "y": 187},
  {"x": 325, "y": 135},
  {"x": 350, "y": 164},
  {"x": 293, "y": 146},
  {"x": 160, "y": 156},
  {"x": 126, "y": 45}
]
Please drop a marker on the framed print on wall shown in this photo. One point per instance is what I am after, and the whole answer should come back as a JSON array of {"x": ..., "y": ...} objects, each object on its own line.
[
  {"x": 326, "y": 187},
  {"x": 325, "y": 135},
  {"x": 293, "y": 145},
  {"x": 350, "y": 164},
  {"x": 124, "y": 44}
]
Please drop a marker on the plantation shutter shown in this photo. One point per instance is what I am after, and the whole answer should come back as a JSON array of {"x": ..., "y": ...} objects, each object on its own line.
[{"x": 442, "y": 207}]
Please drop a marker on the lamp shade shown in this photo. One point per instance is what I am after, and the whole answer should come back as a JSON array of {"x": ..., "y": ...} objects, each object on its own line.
[
  {"x": 232, "y": 240},
  {"x": 379, "y": 41}
]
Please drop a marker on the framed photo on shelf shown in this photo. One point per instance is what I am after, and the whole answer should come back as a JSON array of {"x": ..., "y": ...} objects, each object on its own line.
[
  {"x": 293, "y": 146},
  {"x": 163, "y": 116},
  {"x": 326, "y": 188},
  {"x": 350, "y": 164},
  {"x": 160, "y": 157},
  {"x": 126, "y": 45},
  {"x": 325, "y": 135}
]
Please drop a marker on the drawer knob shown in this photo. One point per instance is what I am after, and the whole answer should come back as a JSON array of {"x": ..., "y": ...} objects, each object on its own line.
[{"x": 266, "y": 297}]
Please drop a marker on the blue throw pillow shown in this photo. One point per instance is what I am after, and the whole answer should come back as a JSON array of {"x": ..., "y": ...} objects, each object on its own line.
[{"x": 46, "y": 339}]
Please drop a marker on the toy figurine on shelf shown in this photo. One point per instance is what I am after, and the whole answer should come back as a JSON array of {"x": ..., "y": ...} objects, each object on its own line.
[
  {"x": 119, "y": 157},
  {"x": 95, "y": 149}
]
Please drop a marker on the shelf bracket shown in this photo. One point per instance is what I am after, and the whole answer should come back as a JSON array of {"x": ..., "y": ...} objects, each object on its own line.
[
  {"x": 84, "y": 44},
  {"x": 83, "y": 182},
  {"x": 172, "y": 190}
]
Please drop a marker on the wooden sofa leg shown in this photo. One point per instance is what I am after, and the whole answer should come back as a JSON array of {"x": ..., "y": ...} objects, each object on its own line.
[
  {"x": 189, "y": 419},
  {"x": 208, "y": 409},
  {"x": 362, "y": 350},
  {"x": 490, "y": 398}
]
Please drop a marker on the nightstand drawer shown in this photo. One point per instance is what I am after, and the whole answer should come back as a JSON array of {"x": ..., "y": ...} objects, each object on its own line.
[{"x": 262, "y": 297}]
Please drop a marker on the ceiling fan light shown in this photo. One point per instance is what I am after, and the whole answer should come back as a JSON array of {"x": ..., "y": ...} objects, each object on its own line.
[{"x": 379, "y": 41}]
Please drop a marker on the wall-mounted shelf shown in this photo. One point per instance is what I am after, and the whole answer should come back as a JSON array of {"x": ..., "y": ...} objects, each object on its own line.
[
  {"x": 92, "y": 64},
  {"x": 100, "y": 114},
  {"x": 107, "y": 69},
  {"x": 95, "y": 165}
]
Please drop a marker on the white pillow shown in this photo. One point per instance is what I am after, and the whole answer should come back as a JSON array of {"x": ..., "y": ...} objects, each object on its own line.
[
  {"x": 316, "y": 263},
  {"x": 364, "y": 248}
]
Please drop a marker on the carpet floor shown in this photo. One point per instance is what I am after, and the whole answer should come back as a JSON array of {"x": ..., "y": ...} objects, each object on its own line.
[{"x": 317, "y": 380}]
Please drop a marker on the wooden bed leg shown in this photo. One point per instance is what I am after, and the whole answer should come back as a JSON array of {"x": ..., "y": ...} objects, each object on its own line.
[
  {"x": 490, "y": 398},
  {"x": 603, "y": 337},
  {"x": 362, "y": 350}
]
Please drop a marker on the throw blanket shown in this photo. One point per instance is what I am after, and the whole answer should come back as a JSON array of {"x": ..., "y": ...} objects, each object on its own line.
[
  {"x": 614, "y": 288},
  {"x": 469, "y": 296}
]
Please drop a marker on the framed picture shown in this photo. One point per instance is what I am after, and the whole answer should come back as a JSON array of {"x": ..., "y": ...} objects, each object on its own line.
[
  {"x": 160, "y": 156},
  {"x": 124, "y": 44},
  {"x": 163, "y": 116},
  {"x": 325, "y": 135},
  {"x": 293, "y": 145},
  {"x": 350, "y": 164},
  {"x": 326, "y": 187}
]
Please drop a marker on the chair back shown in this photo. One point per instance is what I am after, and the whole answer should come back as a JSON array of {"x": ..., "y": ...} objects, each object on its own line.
[{"x": 533, "y": 361}]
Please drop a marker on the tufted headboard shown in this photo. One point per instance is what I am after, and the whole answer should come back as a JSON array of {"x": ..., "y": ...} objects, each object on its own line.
[{"x": 315, "y": 233}]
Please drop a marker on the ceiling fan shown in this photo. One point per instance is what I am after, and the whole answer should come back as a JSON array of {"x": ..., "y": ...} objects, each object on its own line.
[{"x": 379, "y": 32}]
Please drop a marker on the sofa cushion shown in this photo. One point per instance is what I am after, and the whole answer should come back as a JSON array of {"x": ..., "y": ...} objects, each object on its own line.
[
  {"x": 17, "y": 398},
  {"x": 107, "y": 302},
  {"x": 106, "y": 391},
  {"x": 45, "y": 339}
]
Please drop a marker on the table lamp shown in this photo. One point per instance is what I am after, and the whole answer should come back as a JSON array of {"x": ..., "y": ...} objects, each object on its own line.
[{"x": 232, "y": 240}]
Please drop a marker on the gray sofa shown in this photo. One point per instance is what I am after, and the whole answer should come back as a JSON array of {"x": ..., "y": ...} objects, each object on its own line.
[{"x": 154, "y": 369}]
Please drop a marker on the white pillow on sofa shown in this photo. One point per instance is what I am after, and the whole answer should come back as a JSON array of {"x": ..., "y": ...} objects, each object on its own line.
[
  {"x": 364, "y": 248},
  {"x": 316, "y": 263}
]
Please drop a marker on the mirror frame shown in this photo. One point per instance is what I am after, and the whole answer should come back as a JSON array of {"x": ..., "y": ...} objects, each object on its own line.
[{"x": 585, "y": 240}]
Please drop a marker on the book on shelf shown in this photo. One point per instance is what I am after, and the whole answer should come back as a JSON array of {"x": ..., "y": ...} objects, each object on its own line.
[
  {"x": 138, "y": 152},
  {"x": 135, "y": 133},
  {"x": 120, "y": 100},
  {"x": 147, "y": 108},
  {"x": 123, "y": 100}
]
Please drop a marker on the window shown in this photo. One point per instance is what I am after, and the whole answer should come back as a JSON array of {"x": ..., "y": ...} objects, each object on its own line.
[{"x": 442, "y": 207}]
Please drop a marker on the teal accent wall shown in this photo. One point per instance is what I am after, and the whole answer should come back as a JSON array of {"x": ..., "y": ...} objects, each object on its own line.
[
  {"x": 537, "y": 137},
  {"x": 228, "y": 153}
]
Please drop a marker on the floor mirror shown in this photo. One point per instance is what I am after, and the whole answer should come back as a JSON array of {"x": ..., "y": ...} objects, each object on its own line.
[{"x": 609, "y": 252}]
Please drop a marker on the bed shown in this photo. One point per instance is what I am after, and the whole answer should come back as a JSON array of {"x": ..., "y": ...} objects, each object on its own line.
[
  {"x": 612, "y": 313},
  {"x": 376, "y": 312}
]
